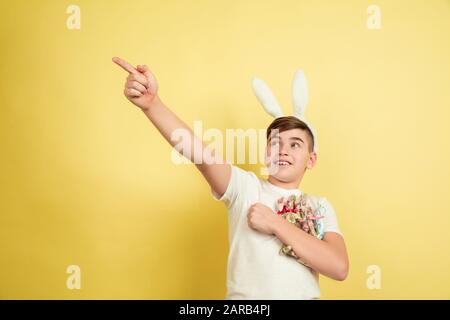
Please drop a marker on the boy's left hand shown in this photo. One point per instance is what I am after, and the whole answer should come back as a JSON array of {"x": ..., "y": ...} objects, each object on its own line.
[{"x": 261, "y": 218}]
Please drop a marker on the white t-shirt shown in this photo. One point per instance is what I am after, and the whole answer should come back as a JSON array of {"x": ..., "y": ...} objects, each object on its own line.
[{"x": 256, "y": 269}]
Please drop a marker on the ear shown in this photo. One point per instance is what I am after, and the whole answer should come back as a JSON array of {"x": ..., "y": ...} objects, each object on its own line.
[
  {"x": 299, "y": 94},
  {"x": 266, "y": 98},
  {"x": 312, "y": 160}
]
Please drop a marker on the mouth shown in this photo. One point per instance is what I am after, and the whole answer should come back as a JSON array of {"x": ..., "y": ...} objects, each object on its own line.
[{"x": 282, "y": 163}]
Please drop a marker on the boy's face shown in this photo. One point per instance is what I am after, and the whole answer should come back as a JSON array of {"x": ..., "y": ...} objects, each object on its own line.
[{"x": 288, "y": 156}]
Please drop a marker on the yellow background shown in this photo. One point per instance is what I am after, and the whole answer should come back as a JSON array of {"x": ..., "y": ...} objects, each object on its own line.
[{"x": 87, "y": 180}]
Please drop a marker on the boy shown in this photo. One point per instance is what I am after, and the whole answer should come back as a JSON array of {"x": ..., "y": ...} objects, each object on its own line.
[{"x": 256, "y": 270}]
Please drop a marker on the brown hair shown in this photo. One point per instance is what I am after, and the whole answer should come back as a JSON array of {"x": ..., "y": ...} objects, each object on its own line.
[{"x": 288, "y": 123}]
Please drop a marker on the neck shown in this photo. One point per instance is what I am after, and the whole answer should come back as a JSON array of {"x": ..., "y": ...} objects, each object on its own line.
[{"x": 282, "y": 184}]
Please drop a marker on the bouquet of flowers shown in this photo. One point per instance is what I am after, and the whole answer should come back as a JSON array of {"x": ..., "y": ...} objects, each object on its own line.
[{"x": 295, "y": 210}]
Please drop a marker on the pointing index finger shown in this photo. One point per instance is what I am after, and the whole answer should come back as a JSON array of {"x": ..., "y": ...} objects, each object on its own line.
[{"x": 125, "y": 65}]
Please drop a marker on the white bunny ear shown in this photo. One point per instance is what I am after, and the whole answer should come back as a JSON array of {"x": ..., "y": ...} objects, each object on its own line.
[
  {"x": 266, "y": 98},
  {"x": 299, "y": 94}
]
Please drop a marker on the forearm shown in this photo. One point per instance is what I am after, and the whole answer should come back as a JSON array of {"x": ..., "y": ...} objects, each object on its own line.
[
  {"x": 211, "y": 164},
  {"x": 164, "y": 119},
  {"x": 172, "y": 128},
  {"x": 317, "y": 254}
]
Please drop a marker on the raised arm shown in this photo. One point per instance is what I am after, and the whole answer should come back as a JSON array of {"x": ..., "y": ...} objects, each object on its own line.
[{"x": 141, "y": 88}]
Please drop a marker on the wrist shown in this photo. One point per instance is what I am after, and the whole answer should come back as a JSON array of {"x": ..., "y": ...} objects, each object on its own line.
[
  {"x": 277, "y": 224},
  {"x": 155, "y": 101}
]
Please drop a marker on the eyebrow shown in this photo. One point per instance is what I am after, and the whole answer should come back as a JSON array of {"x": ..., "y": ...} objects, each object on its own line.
[
  {"x": 296, "y": 138},
  {"x": 291, "y": 138}
]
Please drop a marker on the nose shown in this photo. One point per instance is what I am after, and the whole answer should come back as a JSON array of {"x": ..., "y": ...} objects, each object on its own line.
[{"x": 282, "y": 151}]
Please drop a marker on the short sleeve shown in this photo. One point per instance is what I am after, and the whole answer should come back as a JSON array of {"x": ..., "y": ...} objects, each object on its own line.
[
  {"x": 330, "y": 219},
  {"x": 241, "y": 182}
]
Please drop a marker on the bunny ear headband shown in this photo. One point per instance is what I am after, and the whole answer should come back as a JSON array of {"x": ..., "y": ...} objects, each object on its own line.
[{"x": 299, "y": 99}]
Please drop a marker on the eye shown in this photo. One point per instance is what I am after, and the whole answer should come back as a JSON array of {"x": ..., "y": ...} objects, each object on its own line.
[{"x": 295, "y": 145}]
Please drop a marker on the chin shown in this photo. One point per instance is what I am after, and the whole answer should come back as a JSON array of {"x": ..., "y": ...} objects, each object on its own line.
[{"x": 284, "y": 176}]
